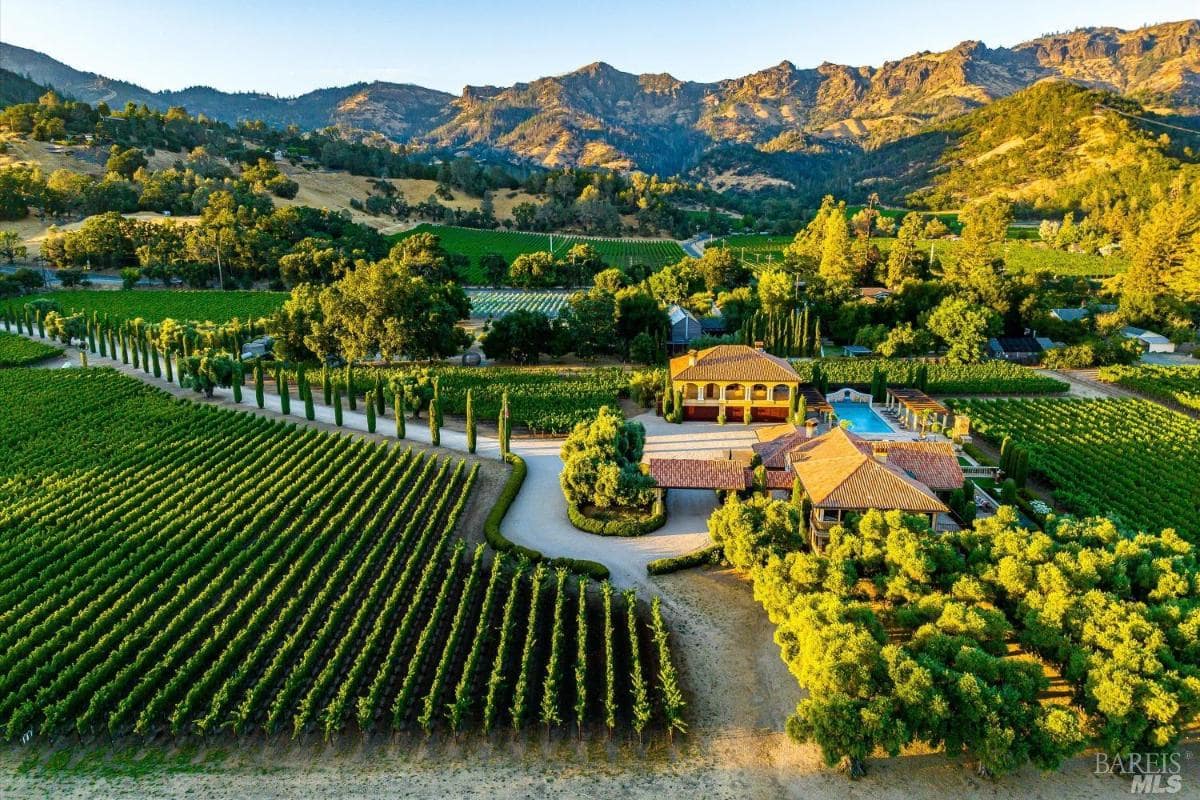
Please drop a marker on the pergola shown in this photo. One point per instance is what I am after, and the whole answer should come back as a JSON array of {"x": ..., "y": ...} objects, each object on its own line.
[{"x": 912, "y": 406}]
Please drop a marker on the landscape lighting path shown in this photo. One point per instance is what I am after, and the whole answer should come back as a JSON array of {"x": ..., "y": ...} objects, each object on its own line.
[{"x": 536, "y": 519}]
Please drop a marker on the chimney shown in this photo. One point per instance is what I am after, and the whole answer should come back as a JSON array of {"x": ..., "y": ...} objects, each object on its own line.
[
  {"x": 758, "y": 345},
  {"x": 880, "y": 454},
  {"x": 691, "y": 358}
]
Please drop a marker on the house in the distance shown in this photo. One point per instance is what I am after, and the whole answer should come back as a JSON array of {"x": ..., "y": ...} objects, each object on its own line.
[
  {"x": 1081, "y": 313},
  {"x": 874, "y": 294},
  {"x": 733, "y": 377},
  {"x": 1150, "y": 341},
  {"x": 1018, "y": 349},
  {"x": 686, "y": 327}
]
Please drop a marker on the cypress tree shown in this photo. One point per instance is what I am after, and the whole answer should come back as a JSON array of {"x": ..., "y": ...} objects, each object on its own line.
[
  {"x": 83, "y": 358},
  {"x": 326, "y": 386},
  {"x": 378, "y": 394},
  {"x": 145, "y": 354},
  {"x": 157, "y": 366},
  {"x": 310, "y": 413},
  {"x": 136, "y": 348},
  {"x": 801, "y": 410},
  {"x": 258, "y": 385},
  {"x": 337, "y": 407},
  {"x": 102, "y": 340},
  {"x": 677, "y": 406},
  {"x": 238, "y": 378},
  {"x": 746, "y": 414},
  {"x": 350, "y": 401},
  {"x": 435, "y": 425},
  {"x": 437, "y": 392},
  {"x": 401, "y": 431},
  {"x": 285, "y": 397},
  {"x": 124, "y": 349},
  {"x": 41, "y": 325},
  {"x": 371, "y": 411},
  {"x": 470, "y": 423},
  {"x": 167, "y": 360},
  {"x": 91, "y": 335}
]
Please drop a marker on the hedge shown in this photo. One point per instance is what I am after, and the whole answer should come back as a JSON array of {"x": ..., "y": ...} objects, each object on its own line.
[
  {"x": 616, "y": 527},
  {"x": 713, "y": 554},
  {"x": 500, "y": 543}
]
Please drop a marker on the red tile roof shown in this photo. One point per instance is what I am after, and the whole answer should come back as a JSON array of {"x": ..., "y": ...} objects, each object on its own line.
[
  {"x": 733, "y": 362},
  {"x": 698, "y": 473}
]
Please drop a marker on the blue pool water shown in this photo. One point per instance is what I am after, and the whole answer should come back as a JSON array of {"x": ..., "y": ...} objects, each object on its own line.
[{"x": 862, "y": 419}]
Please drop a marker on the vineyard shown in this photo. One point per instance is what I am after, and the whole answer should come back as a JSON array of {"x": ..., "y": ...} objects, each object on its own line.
[
  {"x": 138, "y": 600},
  {"x": 543, "y": 400},
  {"x": 1178, "y": 384},
  {"x": 473, "y": 243},
  {"x": 158, "y": 304},
  {"x": 17, "y": 351},
  {"x": 990, "y": 377},
  {"x": 1019, "y": 256},
  {"x": 487, "y": 303},
  {"x": 1132, "y": 459}
]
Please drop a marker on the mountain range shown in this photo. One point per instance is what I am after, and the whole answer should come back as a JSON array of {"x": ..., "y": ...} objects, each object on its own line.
[{"x": 599, "y": 116}]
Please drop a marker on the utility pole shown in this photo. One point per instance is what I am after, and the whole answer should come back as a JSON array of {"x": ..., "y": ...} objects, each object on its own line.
[{"x": 220, "y": 272}]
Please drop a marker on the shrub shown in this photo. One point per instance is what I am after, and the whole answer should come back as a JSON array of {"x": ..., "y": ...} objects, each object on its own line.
[
  {"x": 634, "y": 526},
  {"x": 713, "y": 554}
]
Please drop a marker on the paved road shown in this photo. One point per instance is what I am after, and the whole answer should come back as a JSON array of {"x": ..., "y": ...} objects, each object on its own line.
[
  {"x": 694, "y": 246},
  {"x": 538, "y": 517},
  {"x": 52, "y": 279}
]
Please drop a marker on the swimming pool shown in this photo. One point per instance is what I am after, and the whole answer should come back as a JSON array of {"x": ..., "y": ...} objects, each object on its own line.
[{"x": 863, "y": 419}]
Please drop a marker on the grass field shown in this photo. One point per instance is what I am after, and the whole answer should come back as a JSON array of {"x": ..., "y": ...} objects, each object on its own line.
[
  {"x": 139, "y": 597},
  {"x": 155, "y": 305},
  {"x": 510, "y": 244},
  {"x": 17, "y": 351},
  {"x": 1020, "y": 256}
]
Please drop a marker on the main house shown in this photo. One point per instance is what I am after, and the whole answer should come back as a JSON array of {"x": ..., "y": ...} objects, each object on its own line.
[
  {"x": 733, "y": 377},
  {"x": 841, "y": 474}
]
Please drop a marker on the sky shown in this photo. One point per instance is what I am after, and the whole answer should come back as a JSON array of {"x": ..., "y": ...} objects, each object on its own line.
[{"x": 288, "y": 48}]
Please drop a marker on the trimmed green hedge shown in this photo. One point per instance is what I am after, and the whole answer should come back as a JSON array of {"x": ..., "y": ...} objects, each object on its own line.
[
  {"x": 616, "y": 527},
  {"x": 713, "y": 554},
  {"x": 500, "y": 543}
]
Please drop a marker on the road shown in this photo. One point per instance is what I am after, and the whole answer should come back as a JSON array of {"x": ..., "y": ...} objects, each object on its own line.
[
  {"x": 694, "y": 246},
  {"x": 52, "y": 280}
]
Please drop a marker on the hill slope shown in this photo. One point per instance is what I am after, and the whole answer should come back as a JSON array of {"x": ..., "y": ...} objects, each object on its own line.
[{"x": 600, "y": 116}]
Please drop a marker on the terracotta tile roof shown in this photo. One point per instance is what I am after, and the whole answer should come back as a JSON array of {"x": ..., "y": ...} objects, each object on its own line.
[
  {"x": 838, "y": 471},
  {"x": 698, "y": 473},
  {"x": 780, "y": 478},
  {"x": 775, "y": 452},
  {"x": 932, "y": 463},
  {"x": 733, "y": 362}
]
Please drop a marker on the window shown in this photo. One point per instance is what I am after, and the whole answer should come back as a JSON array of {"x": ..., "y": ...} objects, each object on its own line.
[
  {"x": 735, "y": 391},
  {"x": 780, "y": 393}
]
